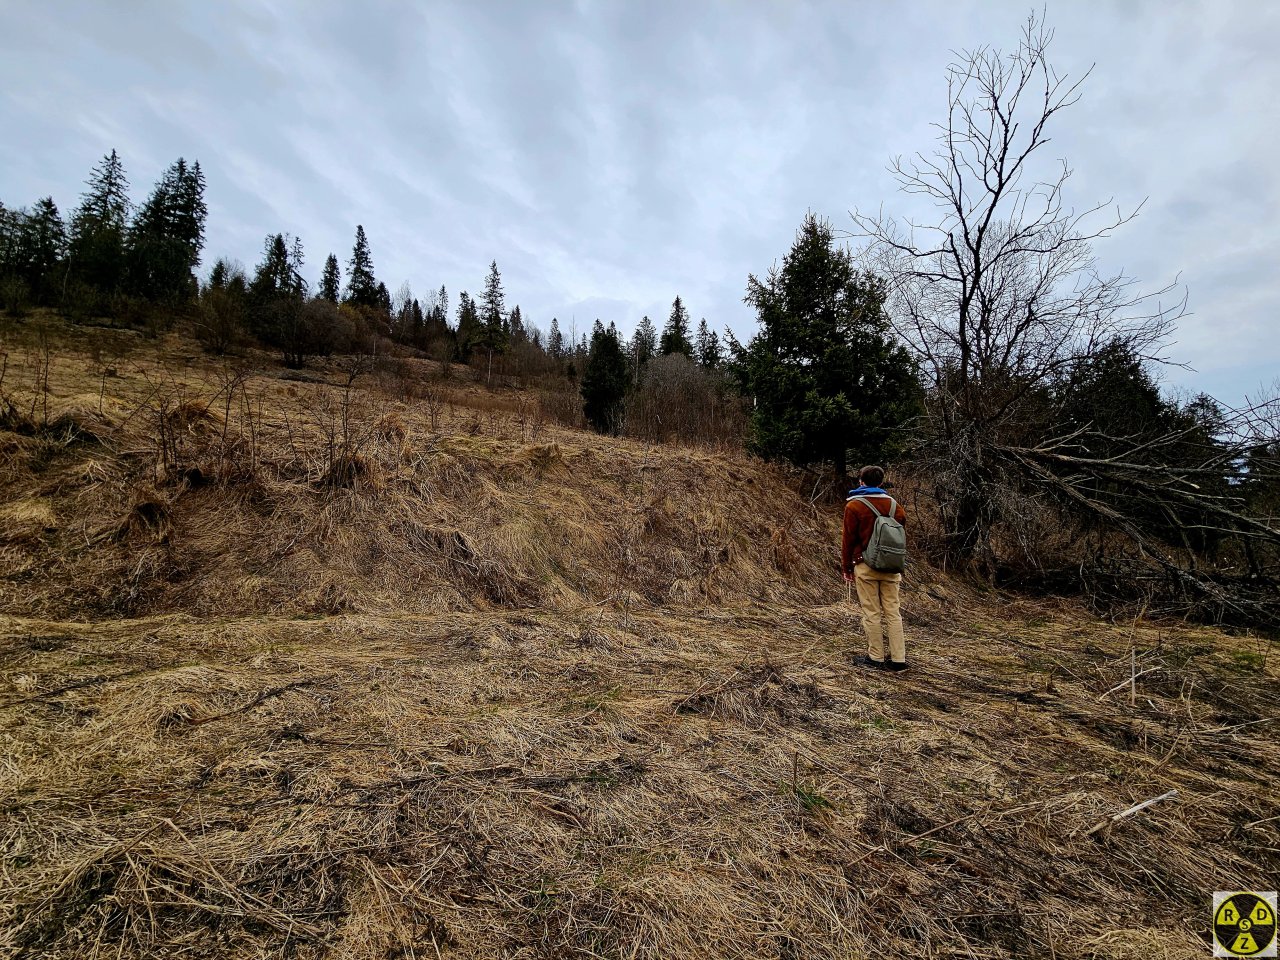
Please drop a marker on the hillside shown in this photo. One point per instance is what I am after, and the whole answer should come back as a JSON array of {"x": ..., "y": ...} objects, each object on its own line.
[{"x": 398, "y": 667}]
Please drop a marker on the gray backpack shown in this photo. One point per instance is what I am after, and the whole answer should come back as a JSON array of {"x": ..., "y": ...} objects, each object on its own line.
[{"x": 887, "y": 550}]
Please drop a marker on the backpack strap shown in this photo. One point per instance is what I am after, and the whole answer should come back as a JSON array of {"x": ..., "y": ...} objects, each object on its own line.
[
  {"x": 893, "y": 506},
  {"x": 868, "y": 503}
]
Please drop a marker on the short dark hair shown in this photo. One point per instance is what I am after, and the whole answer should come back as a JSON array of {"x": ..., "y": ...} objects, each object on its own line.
[{"x": 871, "y": 476}]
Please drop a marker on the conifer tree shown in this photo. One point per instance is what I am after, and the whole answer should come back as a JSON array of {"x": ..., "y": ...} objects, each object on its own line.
[
  {"x": 555, "y": 341},
  {"x": 604, "y": 381},
  {"x": 190, "y": 210},
  {"x": 468, "y": 326},
  {"x": 43, "y": 246},
  {"x": 675, "y": 335},
  {"x": 167, "y": 235},
  {"x": 362, "y": 286},
  {"x": 437, "y": 316},
  {"x": 219, "y": 274},
  {"x": 331, "y": 280},
  {"x": 99, "y": 227},
  {"x": 825, "y": 371},
  {"x": 417, "y": 324},
  {"x": 276, "y": 299},
  {"x": 707, "y": 346},
  {"x": 493, "y": 334},
  {"x": 515, "y": 325},
  {"x": 280, "y": 272},
  {"x": 383, "y": 296}
]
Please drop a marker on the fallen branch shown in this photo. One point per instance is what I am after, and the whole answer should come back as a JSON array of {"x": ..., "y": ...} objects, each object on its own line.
[
  {"x": 1136, "y": 808},
  {"x": 260, "y": 698},
  {"x": 1127, "y": 681}
]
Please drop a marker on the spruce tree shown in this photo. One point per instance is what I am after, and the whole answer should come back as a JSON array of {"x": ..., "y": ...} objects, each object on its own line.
[
  {"x": 675, "y": 335},
  {"x": 167, "y": 236},
  {"x": 331, "y": 280},
  {"x": 707, "y": 346},
  {"x": 99, "y": 226},
  {"x": 43, "y": 246},
  {"x": 604, "y": 381},
  {"x": 555, "y": 341},
  {"x": 219, "y": 274},
  {"x": 437, "y": 317},
  {"x": 468, "y": 326},
  {"x": 362, "y": 286},
  {"x": 494, "y": 333},
  {"x": 417, "y": 324},
  {"x": 827, "y": 376},
  {"x": 442, "y": 306},
  {"x": 190, "y": 210}
]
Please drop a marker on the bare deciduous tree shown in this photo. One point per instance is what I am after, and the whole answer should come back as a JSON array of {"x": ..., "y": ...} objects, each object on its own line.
[{"x": 1002, "y": 293}]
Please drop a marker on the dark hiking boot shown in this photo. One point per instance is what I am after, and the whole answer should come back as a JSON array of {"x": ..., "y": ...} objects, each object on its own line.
[
  {"x": 868, "y": 664},
  {"x": 893, "y": 666}
]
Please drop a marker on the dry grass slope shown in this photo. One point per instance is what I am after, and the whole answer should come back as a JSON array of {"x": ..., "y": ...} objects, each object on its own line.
[{"x": 288, "y": 669}]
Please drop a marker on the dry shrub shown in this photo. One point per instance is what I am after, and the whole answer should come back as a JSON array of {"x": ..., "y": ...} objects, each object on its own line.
[
  {"x": 352, "y": 470},
  {"x": 562, "y": 405},
  {"x": 679, "y": 401},
  {"x": 391, "y": 429}
]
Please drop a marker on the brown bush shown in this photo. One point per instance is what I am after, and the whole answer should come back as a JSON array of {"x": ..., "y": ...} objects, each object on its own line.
[{"x": 679, "y": 401}]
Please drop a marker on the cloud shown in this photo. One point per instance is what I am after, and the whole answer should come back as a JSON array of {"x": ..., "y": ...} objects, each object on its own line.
[{"x": 613, "y": 155}]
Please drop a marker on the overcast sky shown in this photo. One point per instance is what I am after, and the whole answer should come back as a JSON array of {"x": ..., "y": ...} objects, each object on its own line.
[{"x": 610, "y": 155}]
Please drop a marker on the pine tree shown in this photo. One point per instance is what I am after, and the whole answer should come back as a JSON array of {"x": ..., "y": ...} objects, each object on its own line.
[
  {"x": 604, "y": 381},
  {"x": 515, "y": 324},
  {"x": 362, "y": 286},
  {"x": 99, "y": 227},
  {"x": 11, "y": 228},
  {"x": 825, "y": 371},
  {"x": 675, "y": 335},
  {"x": 331, "y": 280},
  {"x": 383, "y": 296},
  {"x": 707, "y": 346}
]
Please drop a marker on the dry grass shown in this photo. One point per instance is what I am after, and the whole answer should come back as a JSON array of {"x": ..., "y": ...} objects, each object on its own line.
[{"x": 570, "y": 697}]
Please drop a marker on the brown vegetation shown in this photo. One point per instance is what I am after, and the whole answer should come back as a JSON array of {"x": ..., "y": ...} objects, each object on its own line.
[{"x": 301, "y": 668}]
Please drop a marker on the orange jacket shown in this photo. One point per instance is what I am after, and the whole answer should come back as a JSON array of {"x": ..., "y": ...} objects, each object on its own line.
[{"x": 859, "y": 519}]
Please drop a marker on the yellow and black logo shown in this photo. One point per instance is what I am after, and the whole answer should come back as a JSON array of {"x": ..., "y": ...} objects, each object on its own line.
[{"x": 1244, "y": 924}]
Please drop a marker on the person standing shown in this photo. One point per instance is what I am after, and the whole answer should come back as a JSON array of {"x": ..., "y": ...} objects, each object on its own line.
[{"x": 874, "y": 537}]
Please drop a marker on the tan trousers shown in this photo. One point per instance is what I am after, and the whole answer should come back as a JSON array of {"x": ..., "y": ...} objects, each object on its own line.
[{"x": 881, "y": 614}]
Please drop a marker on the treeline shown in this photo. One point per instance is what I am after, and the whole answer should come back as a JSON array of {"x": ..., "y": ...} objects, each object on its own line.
[
  {"x": 109, "y": 258},
  {"x": 137, "y": 265},
  {"x": 997, "y": 368}
]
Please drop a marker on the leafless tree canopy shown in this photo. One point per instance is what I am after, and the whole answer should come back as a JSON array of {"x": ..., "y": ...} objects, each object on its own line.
[{"x": 1003, "y": 290}]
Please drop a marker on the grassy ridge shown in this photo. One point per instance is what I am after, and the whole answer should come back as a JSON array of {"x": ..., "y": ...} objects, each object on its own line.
[{"x": 473, "y": 685}]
